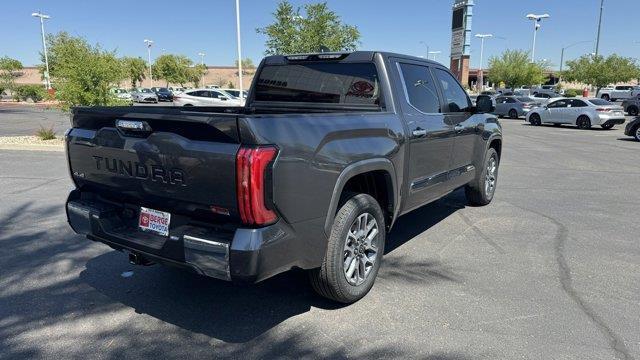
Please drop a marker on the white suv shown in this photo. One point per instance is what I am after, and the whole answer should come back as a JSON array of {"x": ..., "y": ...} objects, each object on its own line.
[{"x": 205, "y": 97}]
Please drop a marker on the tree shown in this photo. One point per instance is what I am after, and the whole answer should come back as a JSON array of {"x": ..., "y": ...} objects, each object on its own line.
[
  {"x": 7, "y": 68},
  {"x": 319, "y": 29},
  {"x": 514, "y": 69},
  {"x": 82, "y": 73},
  {"x": 195, "y": 74},
  {"x": 247, "y": 65},
  {"x": 173, "y": 69},
  {"x": 136, "y": 69},
  {"x": 599, "y": 71}
]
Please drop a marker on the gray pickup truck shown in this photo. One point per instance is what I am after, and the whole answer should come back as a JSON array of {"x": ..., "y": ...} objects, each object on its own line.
[{"x": 329, "y": 150}]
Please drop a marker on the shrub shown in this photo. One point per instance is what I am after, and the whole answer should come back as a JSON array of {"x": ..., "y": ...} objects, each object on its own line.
[
  {"x": 33, "y": 92},
  {"x": 570, "y": 93},
  {"x": 46, "y": 134}
]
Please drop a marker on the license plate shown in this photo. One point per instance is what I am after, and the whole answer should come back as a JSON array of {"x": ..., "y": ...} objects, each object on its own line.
[
  {"x": 154, "y": 221},
  {"x": 617, "y": 112}
]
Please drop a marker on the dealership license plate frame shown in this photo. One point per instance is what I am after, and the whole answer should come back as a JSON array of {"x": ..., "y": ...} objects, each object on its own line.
[{"x": 154, "y": 221}]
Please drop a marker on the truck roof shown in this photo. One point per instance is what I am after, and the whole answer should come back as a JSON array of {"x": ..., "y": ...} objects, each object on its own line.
[{"x": 345, "y": 56}]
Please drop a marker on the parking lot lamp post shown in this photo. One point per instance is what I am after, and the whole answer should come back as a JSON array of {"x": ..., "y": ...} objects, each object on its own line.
[
  {"x": 149, "y": 43},
  {"x": 536, "y": 25},
  {"x": 599, "y": 26},
  {"x": 201, "y": 57},
  {"x": 481, "y": 73},
  {"x": 435, "y": 54},
  {"x": 239, "y": 49},
  {"x": 44, "y": 46},
  {"x": 562, "y": 55},
  {"x": 425, "y": 44}
]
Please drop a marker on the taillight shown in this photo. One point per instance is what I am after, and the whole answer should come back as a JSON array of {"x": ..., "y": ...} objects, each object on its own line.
[
  {"x": 251, "y": 170},
  {"x": 603, "y": 110}
]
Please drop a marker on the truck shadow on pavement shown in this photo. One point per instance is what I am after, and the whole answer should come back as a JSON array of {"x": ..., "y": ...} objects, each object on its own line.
[{"x": 236, "y": 313}]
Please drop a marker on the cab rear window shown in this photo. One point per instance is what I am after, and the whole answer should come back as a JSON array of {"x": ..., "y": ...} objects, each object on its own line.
[{"x": 319, "y": 82}]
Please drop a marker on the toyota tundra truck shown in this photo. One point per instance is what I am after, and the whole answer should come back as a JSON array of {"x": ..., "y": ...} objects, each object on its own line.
[{"x": 329, "y": 150}]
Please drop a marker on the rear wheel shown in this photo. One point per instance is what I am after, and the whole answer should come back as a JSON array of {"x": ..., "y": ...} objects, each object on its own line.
[
  {"x": 583, "y": 122},
  {"x": 480, "y": 192},
  {"x": 632, "y": 110},
  {"x": 513, "y": 113},
  {"x": 636, "y": 133},
  {"x": 354, "y": 251},
  {"x": 535, "y": 120},
  {"x": 188, "y": 105},
  {"x": 605, "y": 97}
]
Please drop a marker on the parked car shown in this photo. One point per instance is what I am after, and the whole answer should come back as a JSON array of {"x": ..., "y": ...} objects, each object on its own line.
[
  {"x": 546, "y": 89},
  {"x": 205, "y": 97},
  {"x": 176, "y": 89},
  {"x": 583, "y": 113},
  {"x": 544, "y": 98},
  {"x": 514, "y": 106},
  {"x": 163, "y": 93},
  {"x": 620, "y": 92},
  {"x": 236, "y": 93},
  {"x": 631, "y": 106},
  {"x": 144, "y": 95},
  {"x": 312, "y": 175},
  {"x": 633, "y": 128},
  {"x": 121, "y": 94}
]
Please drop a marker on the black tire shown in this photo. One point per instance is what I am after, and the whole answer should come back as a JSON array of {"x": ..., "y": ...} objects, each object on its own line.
[
  {"x": 636, "y": 132},
  {"x": 583, "y": 122},
  {"x": 607, "y": 126},
  {"x": 188, "y": 104},
  {"x": 513, "y": 113},
  {"x": 632, "y": 110},
  {"x": 478, "y": 192},
  {"x": 605, "y": 97},
  {"x": 535, "y": 120},
  {"x": 330, "y": 280}
]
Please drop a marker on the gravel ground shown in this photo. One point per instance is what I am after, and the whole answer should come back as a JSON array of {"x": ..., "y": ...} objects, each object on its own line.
[{"x": 549, "y": 270}]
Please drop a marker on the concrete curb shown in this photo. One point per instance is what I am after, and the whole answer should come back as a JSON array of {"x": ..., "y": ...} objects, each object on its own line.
[{"x": 27, "y": 147}]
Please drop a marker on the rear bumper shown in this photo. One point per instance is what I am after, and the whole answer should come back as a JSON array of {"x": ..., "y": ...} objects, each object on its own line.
[
  {"x": 247, "y": 255},
  {"x": 607, "y": 122}
]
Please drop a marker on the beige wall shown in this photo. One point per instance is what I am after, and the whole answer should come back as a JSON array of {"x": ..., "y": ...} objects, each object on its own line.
[{"x": 216, "y": 75}]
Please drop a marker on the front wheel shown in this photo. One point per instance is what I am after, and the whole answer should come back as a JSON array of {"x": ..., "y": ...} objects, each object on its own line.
[
  {"x": 535, "y": 120},
  {"x": 354, "y": 251},
  {"x": 632, "y": 110},
  {"x": 513, "y": 113},
  {"x": 636, "y": 133},
  {"x": 480, "y": 192}
]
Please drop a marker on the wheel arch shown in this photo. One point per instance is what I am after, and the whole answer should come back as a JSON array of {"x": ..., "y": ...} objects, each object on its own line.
[{"x": 379, "y": 170}]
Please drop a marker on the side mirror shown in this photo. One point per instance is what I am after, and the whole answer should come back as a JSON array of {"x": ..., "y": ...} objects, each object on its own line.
[{"x": 484, "y": 104}]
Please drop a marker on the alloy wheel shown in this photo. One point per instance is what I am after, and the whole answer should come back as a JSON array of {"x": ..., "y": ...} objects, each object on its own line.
[
  {"x": 491, "y": 176},
  {"x": 360, "y": 249}
]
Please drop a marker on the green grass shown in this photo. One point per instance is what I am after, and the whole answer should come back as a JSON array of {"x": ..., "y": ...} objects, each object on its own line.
[{"x": 46, "y": 134}]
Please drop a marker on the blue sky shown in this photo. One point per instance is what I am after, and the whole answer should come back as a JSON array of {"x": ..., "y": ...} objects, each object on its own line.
[{"x": 209, "y": 26}]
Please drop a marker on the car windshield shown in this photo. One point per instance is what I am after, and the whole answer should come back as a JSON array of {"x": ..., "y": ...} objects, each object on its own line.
[
  {"x": 145, "y": 90},
  {"x": 599, "y": 102}
]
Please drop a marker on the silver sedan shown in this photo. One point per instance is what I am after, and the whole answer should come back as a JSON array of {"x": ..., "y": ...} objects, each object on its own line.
[
  {"x": 514, "y": 106},
  {"x": 144, "y": 95},
  {"x": 582, "y": 112}
]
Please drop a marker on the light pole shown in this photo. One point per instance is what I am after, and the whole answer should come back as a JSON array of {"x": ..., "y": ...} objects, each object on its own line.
[
  {"x": 562, "y": 54},
  {"x": 425, "y": 44},
  {"x": 149, "y": 43},
  {"x": 202, "y": 57},
  {"x": 599, "y": 26},
  {"x": 482, "y": 37},
  {"x": 239, "y": 49},
  {"x": 44, "y": 46},
  {"x": 435, "y": 54},
  {"x": 537, "y": 19}
]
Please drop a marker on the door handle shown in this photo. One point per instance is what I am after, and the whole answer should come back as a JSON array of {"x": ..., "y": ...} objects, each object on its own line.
[
  {"x": 419, "y": 132},
  {"x": 458, "y": 128}
]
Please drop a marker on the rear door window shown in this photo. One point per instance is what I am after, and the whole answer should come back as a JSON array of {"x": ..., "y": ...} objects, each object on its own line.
[{"x": 420, "y": 89}]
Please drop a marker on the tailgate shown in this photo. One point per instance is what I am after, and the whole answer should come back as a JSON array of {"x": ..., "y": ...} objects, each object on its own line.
[{"x": 166, "y": 158}]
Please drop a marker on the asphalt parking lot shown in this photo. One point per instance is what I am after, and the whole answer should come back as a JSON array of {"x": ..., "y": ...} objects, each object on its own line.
[{"x": 549, "y": 270}]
